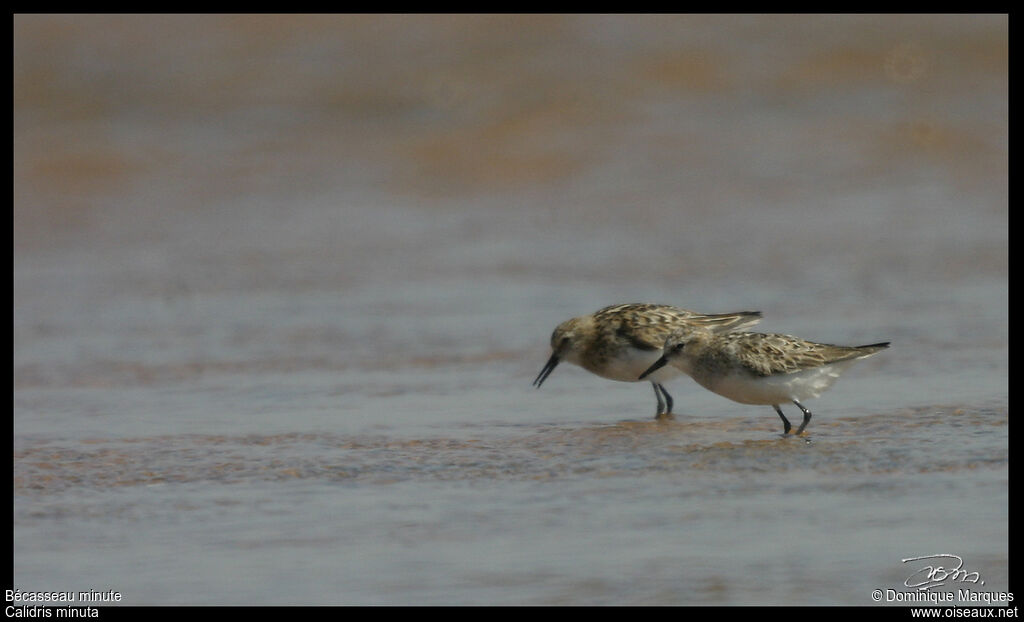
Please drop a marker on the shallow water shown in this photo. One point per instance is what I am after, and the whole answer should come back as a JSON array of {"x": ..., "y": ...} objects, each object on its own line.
[{"x": 281, "y": 288}]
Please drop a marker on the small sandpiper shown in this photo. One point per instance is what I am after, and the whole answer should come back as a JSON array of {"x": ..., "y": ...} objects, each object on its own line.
[
  {"x": 621, "y": 341},
  {"x": 755, "y": 368}
]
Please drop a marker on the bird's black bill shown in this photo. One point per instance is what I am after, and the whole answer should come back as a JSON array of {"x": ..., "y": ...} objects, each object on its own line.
[
  {"x": 548, "y": 368},
  {"x": 653, "y": 368}
]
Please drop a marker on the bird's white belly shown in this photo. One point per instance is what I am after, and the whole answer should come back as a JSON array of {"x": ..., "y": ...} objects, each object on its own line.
[
  {"x": 630, "y": 363},
  {"x": 747, "y": 389}
]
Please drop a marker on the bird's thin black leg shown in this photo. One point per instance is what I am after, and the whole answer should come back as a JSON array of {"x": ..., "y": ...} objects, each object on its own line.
[
  {"x": 661, "y": 402},
  {"x": 668, "y": 399},
  {"x": 785, "y": 422},
  {"x": 807, "y": 417}
]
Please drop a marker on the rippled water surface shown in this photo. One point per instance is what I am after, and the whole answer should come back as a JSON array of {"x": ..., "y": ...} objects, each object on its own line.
[{"x": 282, "y": 283}]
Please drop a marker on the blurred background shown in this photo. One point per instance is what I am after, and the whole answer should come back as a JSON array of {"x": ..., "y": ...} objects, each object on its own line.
[{"x": 281, "y": 283}]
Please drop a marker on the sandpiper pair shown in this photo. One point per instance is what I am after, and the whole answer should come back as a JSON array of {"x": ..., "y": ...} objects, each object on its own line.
[{"x": 634, "y": 342}]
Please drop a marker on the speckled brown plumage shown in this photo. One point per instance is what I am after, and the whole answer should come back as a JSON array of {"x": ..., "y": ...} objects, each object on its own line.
[
  {"x": 620, "y": 341},
  {"x": 759, "y": 368}
]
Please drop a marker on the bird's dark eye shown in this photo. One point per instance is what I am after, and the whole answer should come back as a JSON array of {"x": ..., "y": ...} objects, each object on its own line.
[{"x": 678, "y": 347}]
